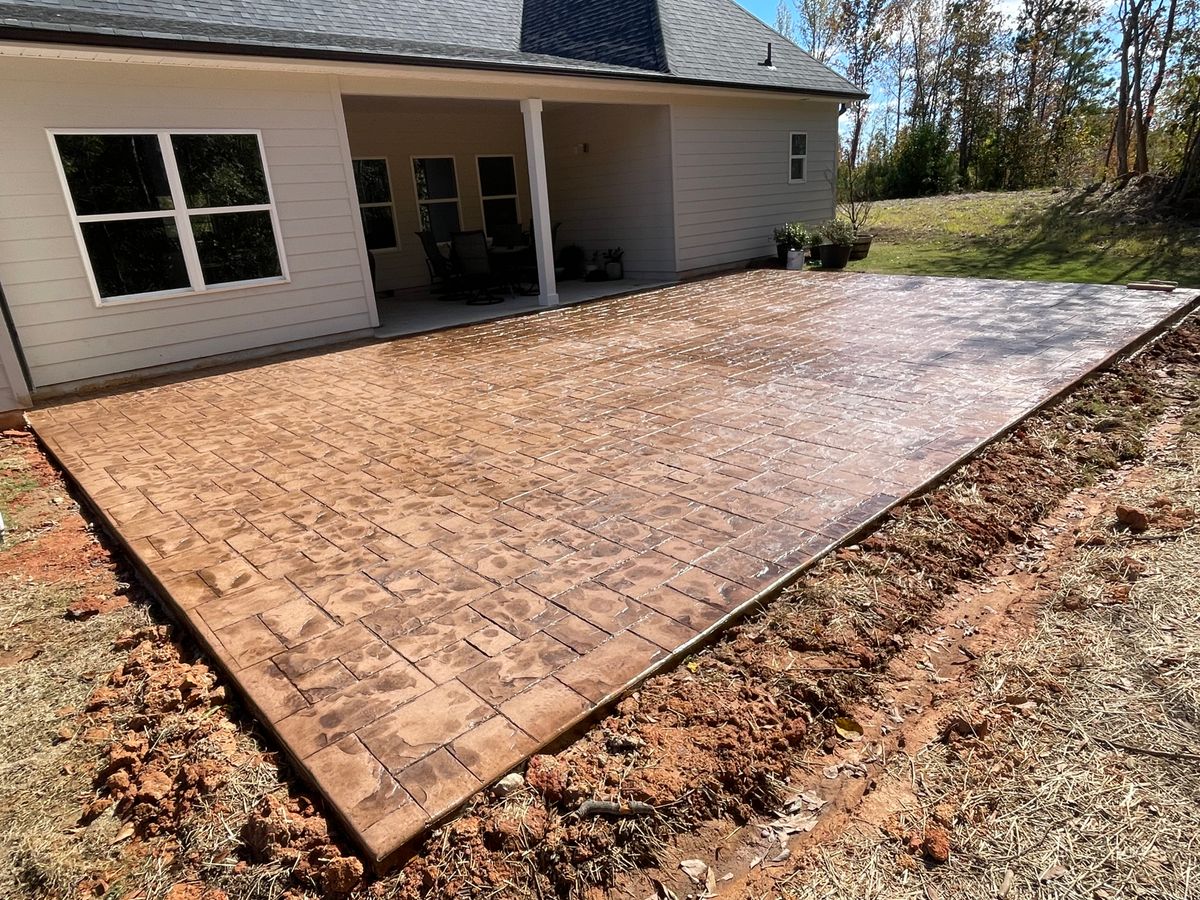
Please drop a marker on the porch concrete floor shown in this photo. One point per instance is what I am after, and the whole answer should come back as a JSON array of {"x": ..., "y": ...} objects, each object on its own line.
[
  {"x": 423, "y": 559},
  {"x": 416, "y": 311}
]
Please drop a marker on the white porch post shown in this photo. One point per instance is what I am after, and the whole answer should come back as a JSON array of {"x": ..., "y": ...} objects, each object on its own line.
[{"x": 539, "y": 195}]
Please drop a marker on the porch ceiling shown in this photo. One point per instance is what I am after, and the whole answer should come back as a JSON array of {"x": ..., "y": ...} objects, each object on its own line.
[{"x": 421, "y": 560}]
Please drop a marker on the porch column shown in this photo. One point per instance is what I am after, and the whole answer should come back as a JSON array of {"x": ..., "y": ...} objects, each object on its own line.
[{"x": 539, "y": 195}]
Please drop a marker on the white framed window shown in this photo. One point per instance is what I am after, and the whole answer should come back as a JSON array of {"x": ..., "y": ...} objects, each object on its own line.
[
  {"x": 797, "y": 157},
  {"x": 170, "y": 213},
  {"x": 498, "y": 194},
  {"x": 373, "y": 181},
  {"x": 436, "y": 184}
]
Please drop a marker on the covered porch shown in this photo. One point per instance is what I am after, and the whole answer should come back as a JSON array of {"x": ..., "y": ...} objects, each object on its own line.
[{"x": 477, "y": 209}]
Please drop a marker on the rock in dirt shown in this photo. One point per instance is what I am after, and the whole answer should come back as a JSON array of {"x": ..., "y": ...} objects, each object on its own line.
[
  {"x": 936, "y": 845},
  {"x": 547, "y": 775},
  {"x": 1133, "y": 518},
  {"x": 341, "y": 875},
  {"x": 509, "y": 783}
]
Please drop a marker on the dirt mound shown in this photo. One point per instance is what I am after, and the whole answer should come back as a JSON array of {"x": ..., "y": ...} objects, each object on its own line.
[
  {"x": 1132, "y": 200},
  {"x": 171, "y": 750},
  {"x": 293, "y": 833}
]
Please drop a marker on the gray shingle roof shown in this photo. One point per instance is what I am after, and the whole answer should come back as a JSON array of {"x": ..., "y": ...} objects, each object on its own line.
[{"x": 694, "y": 41}]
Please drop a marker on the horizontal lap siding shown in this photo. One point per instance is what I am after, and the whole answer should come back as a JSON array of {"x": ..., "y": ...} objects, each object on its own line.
[
  {"x": 64, "y": 335},
  {"x": 618, "y": 193},
  {"x": 731, "y": 176},
  {"x": 398, "y": 129}
]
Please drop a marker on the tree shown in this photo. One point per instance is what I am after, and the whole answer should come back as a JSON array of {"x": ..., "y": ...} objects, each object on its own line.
[
  {"x": 862, "y": 37},
  {"x": 1147, "y": 29},
  {"x": 813, "y": 24},
  {"x": 974, "y": 81}
]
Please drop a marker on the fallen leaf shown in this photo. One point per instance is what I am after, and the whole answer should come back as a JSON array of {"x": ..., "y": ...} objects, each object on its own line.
[
  {"x": 780, "y": 858},
  {"x": 1053, "y": 872},
  {"x": 848, "y": 728},
  {"x": 804, "y": 800},
  {"x": 797, "y": 823},
  {"x": 695, "y": 869}
]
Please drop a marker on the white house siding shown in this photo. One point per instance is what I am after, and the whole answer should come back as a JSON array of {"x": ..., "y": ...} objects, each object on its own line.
[
  {"x": 617, "y": 193},
  {"x": 731, "y": 175},
  {"x": 400, "y": 128},
  {"x": 13, "y": 392},
  {"x": 64, "y": 335}
]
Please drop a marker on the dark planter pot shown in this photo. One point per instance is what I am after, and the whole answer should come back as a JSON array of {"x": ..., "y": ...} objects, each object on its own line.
[
  {"x": 862, "y": 246},
  {"x": 781, "y": 250},
  {"x": 834, "y": 257}
]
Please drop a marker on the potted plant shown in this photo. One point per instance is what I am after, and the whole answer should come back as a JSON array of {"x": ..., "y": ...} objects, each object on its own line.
[
  {"x": 837, "y": 240},
  {"x": 614, "y": 268},
  {"x": 856, "y": 209},
  {"x": 790, "y": 236}
]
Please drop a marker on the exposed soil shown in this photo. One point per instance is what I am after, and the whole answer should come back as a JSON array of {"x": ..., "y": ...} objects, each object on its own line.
[
  {"x": 753, "y": 751},
  {"x": 1078, "y": 777}
]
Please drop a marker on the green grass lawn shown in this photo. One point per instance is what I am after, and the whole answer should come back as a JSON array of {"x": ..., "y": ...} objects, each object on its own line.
[{"x": 1028, "y": 235}]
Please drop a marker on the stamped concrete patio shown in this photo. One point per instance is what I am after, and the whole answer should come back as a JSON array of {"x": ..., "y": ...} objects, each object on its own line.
[{"x": 421, "y": 560}]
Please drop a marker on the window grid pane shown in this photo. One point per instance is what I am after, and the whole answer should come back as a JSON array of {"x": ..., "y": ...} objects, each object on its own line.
[
  {"x": 497, "y": 176},
  {"x": 114, "y": 173},
  {"x": 435, "y": 178},
  {"x": 798, "y": 169},
  {"x": 236, "y": 247},
  {"x": 219, "y": 170},
  {"x": 135, "y": 256},
  {"x": 440, "y": 218},
  {"x": 379, "y": 227},
  {"x": 499, "y": 213},
  {"x": 371, "y": 181},
  {"x": 800, "y": 144}
]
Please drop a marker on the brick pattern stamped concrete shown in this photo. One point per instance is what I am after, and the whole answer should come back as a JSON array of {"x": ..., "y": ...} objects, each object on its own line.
[{"x": 422, "y": 560}]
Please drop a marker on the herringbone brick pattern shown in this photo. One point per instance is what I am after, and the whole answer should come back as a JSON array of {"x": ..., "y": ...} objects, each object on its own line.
[{"x": 423, "y": 559}]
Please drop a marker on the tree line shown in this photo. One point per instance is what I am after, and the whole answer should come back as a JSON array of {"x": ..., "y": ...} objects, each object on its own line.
[{"x": 967, "y": 97}]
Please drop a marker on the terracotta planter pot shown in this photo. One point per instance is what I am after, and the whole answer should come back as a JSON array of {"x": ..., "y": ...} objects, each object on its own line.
[
  {"x": 862, "y": 246},
  {"x": 835, "y": 257}
]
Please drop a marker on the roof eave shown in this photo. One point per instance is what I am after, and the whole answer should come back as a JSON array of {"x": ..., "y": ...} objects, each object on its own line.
[{"x": 131, "y": 42}]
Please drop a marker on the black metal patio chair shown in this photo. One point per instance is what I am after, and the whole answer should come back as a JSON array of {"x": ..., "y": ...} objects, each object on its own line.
[
  {"x": 472, "y": 266},
  {"x": 442, "y": 277}
]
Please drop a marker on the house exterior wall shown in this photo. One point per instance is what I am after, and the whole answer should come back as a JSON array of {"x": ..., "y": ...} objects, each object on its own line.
[
  {"x": 731, "y": 165},
  {"x": 398, "y": 129},
  {"x": 64, "y": 335},
  {"x": 14, "y": 393},
  {"x": 618, "y": 192}
]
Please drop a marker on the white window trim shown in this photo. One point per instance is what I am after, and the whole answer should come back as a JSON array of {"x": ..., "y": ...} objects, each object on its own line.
[
  {"x": 412, "y": 168},
  {"x": 390, "y": 203},
  {"x": 516, "y": 198},
  {"x": 794, "y": 156},
  {"x": 181, "y": 214}
]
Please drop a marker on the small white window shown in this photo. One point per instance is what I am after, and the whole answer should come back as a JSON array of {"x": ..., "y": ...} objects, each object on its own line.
[
  {"x": 374, "y": 185},
  {"x": 437, "y": 195},
  {"x": 498, "y": 194},
  {"x": 798, "y": 157},
  {"x": 167, "y": 214}
]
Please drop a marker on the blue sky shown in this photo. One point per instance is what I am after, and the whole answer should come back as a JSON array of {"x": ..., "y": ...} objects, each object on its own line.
[{"x": 764, "y": 9}]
